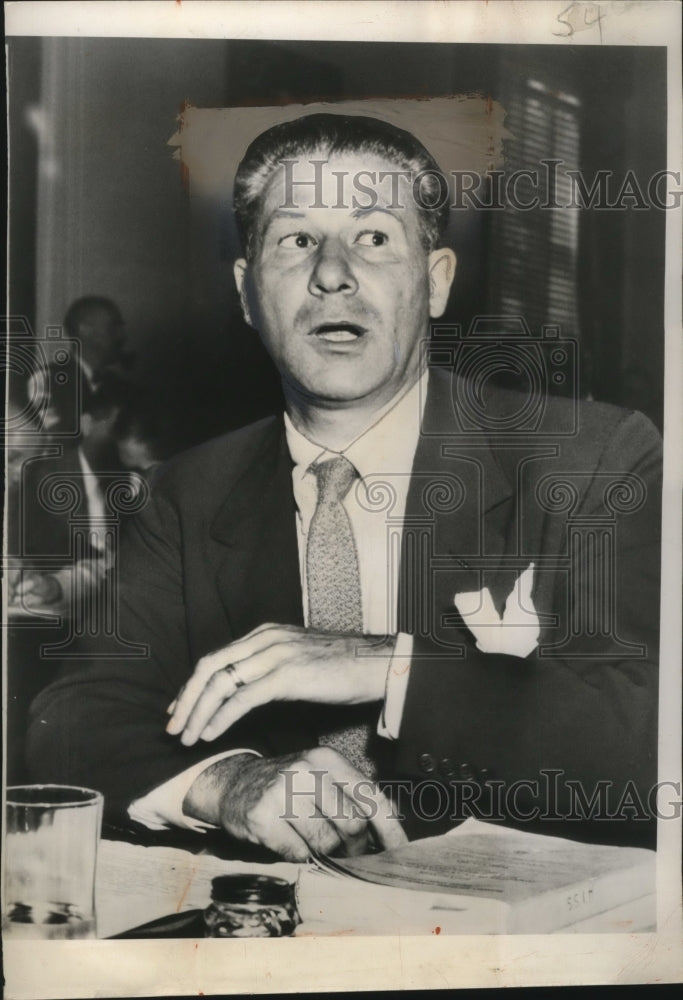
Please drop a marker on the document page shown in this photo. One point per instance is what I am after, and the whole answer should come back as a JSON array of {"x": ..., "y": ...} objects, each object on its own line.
[{"x": 480, "y": 860}]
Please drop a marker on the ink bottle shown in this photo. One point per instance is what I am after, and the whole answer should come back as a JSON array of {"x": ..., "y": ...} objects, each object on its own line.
[{"x": 251, "y": 906}]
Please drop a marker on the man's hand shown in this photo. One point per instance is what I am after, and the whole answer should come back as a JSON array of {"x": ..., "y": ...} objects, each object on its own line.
[
  {"x": 303, "y": 802},
  {"x": 54, "y": 591},
  {"x": 33, "y": 589},
  {"x": 278, "y": 663}
]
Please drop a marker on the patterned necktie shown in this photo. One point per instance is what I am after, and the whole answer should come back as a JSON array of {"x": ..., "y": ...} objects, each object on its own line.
[{"x": 334, "y": 601}]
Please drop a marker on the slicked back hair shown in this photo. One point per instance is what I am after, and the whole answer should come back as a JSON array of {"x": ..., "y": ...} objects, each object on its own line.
[{"x": 326, "y": 135}]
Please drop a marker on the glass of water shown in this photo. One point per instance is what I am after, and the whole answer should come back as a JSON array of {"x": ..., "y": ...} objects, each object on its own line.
[{"x": 51, "y": 838}]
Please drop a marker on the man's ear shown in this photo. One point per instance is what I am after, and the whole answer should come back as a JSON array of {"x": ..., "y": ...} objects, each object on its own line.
[
  {"x": 441, "y": 273},
  {"x": 240, "y": 271}
]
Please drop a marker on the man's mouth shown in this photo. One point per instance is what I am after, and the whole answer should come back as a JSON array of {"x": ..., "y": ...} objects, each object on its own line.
[{"x": 338, "y": 333}]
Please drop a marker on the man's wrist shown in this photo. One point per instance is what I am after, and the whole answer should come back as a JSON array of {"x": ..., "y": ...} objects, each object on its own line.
[
  {"x": 162, "y": 807},
  {"x": 379, "y": 649},
  {"x": 396, "y": 686},
  {"x": 204, "y": 799}
]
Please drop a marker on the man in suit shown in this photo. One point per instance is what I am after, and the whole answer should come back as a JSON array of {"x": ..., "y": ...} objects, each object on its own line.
[
  {"x": 96, "y": 323},
  {"x": 62, "y": 502},
  {"x": 61, "y": 390},
  {"x": 400, "y": 578},
  {"x": 57, "y": 487},
  {"x": 77, "y": 398}
]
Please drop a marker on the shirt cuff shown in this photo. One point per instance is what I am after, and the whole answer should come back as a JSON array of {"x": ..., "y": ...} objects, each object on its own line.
[
  {"x": 396, "y": 687},
  {"x": 163, "y": 806}
]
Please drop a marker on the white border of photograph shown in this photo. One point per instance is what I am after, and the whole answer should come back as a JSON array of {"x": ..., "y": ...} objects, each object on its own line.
[{"x": 186, "y": 967}]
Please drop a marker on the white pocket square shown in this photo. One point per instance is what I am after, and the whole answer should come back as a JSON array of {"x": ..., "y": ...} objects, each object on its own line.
[{"x": 516, "y": 632}]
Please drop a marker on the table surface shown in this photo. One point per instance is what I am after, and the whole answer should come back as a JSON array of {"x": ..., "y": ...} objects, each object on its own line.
[{"x": 169, "y": 880}]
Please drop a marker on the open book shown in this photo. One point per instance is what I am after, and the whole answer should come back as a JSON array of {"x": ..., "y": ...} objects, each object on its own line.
[{"x": 483, "y": 879}]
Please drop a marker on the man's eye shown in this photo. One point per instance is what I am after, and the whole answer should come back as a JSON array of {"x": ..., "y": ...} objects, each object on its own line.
[
  {"x": 372, "y": 238},
  {"x": 297, "y": 241}
]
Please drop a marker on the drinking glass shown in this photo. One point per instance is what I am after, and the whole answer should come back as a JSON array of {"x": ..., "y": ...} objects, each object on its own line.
[{"x": 51, "y": 838}]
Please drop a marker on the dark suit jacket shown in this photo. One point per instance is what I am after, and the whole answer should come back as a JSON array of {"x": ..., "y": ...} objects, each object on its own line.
[
  {"x": 35, "y": 530},
  {"x": 215, "y": 554},
  {"x": 50, "y": 498}
]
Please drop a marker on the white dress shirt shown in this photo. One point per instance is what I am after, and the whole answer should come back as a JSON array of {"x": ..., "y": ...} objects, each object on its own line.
[
  {"x": 383, "y": 457},
  {"x": 86, "y": 574},
  {"x": 95, "y": 501}
]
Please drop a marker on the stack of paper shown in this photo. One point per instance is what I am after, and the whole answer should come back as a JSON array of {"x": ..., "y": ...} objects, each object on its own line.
[{"x": 483, "y": 879}]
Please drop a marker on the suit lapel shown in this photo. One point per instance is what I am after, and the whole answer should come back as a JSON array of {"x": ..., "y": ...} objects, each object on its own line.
[
  {"x": 258, "y": 572},
  {"x": 460, "y": 508}
]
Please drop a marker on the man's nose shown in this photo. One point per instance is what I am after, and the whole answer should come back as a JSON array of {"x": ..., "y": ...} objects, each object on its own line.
[{"x": 332, "y": 271}]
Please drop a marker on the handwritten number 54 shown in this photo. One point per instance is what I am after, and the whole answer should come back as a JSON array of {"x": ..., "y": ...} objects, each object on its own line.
[{"x": 579, "y": 17}]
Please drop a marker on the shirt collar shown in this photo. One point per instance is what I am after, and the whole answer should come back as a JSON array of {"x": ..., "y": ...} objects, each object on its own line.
[
  {"x": 388, "y": 445},
  {"x": 87, "y": 370}
]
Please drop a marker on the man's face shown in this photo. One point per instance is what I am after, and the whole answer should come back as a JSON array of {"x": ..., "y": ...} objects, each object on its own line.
[
  {"x": 342, "y": 294},
  {"x": 102, "y": 336}
]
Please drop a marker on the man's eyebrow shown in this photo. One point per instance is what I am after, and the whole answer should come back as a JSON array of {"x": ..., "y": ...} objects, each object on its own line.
[
  {"x": 280, "y": 213},
  {"x": 286, "y": 213},
  {"x": 362, "y": 213}
]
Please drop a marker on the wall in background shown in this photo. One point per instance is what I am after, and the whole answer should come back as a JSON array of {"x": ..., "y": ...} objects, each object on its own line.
[{"x": 99, "y": 205}]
